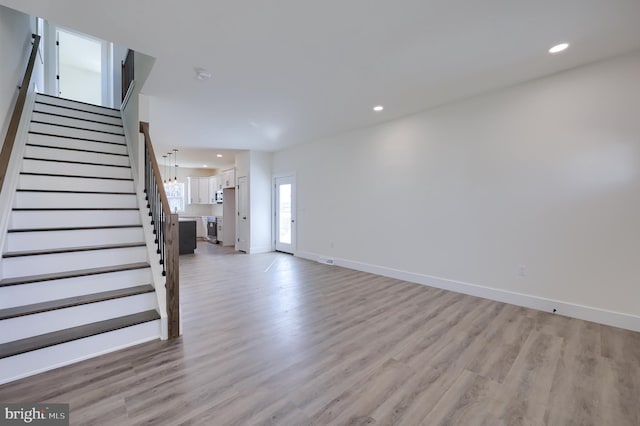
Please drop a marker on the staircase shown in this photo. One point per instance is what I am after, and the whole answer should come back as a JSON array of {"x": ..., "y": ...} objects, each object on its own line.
[{"x": 75, "y": 277}]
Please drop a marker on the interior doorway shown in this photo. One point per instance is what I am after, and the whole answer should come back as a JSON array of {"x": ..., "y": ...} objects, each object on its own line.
[
  {"x": 285, "y": 217},
  {"x": 82, "y": 68}
]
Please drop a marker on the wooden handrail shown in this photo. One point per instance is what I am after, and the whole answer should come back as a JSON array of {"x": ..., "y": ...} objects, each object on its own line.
[
  {"x": 144, "y": 129},
  {"x": 166, "y": 230},
  {"x": 12, "y": 130}
]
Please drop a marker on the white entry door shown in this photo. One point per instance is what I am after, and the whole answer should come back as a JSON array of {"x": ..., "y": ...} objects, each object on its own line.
[
  {"x": 285, "y": 217},
  {"x": 243, "y": 215}
]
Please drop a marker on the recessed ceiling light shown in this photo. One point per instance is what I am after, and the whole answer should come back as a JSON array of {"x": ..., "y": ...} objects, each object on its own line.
[
  {"x": 378, "y": 108},
  {"x": 559, "y": 48},
  {"x": 219, "y": 155}
]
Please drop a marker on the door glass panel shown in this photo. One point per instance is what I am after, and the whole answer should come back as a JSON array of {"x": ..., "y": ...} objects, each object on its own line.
[{"x": 284, "y": 210}]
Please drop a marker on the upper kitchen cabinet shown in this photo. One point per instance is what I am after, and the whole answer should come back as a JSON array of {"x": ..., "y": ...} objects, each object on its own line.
[
  {"x": 227, "y": 178},
  {"x": 199, "y": 190}
]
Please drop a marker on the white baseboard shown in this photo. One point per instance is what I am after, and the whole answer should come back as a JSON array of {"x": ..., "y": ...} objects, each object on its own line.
[
  {"x": 587, "y": 313},
  {"x": 260, "y": 249}
]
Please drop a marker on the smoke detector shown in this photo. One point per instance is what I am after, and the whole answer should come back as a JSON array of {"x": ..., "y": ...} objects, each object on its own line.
[{"x": 202, "y": 74}]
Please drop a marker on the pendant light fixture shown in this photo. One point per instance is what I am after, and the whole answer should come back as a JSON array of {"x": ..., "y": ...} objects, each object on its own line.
[
  {"x": 175, "y": 159},
  {"x": 165, "y": 169}
]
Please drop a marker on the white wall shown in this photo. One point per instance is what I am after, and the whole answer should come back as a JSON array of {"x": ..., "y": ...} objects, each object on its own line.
[
  {"x": 80, "y": 84},
  {"x": 260, "y": 201},
  {"x": 256, "y": 166},
  {"x": 15, "y": 47},
  {"x": 545, "y": 174},
  {"x": 131, "y": 111}
]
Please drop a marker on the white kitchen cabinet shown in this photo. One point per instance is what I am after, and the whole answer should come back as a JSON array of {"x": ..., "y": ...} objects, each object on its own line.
[
  {"x": 193, "y": 190},
  {"x": 228, "y": 178},
  {"x": 203, "y": 184},
  {"x": 199, "y": 190}
]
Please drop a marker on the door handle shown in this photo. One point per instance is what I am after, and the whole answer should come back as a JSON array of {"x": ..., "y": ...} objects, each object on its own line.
[{"x": 244, "y": 218}]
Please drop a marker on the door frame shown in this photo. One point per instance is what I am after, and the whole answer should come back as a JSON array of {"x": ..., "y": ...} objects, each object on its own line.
[
  {"x": 294, "y": 210},
  {"x": 237, "y": 216},
  {"x": 51, "y": 65}
]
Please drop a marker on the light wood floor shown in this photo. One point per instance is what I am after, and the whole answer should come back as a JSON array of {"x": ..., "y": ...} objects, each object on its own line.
[{"x": 272, "y": 339}]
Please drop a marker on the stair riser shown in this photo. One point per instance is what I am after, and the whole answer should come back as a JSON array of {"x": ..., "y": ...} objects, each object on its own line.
[
  {"x": 46, "y": 322},
  {"x": 69, "y": 155},
  {"x": 74, "y": 122},
  {"x": 75, "y": 133},
  {"x": 77, "y": 105},
  {"x": 47, "y": 240},
  {"x": 44, "y": 291},
  {"x": 74, "y": 184},
  {"x": 56, "y": 168},
  {"x": 30, "y": 363},
  {"x": 61, "y": 262},
  {"x": 56, "y": 142},
  {"x": 66, "y": 200},
  {"x": 77, "y": 114},
  {"x": 65, "y": 219}
]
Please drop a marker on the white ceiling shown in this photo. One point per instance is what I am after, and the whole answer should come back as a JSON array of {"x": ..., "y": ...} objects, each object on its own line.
[
  {"x": 300, "y": 71},
  {"x": 195, "y": 158}
]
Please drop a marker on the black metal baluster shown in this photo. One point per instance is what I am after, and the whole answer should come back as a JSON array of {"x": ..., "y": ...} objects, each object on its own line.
[{"x": 154, "y": 204}]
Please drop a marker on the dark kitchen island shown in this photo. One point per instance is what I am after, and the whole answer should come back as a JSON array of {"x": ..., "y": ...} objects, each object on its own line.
[{"x": 187, "y": 236}]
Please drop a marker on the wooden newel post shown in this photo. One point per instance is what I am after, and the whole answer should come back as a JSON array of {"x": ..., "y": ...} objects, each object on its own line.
[{"x": 173, "y": 276}]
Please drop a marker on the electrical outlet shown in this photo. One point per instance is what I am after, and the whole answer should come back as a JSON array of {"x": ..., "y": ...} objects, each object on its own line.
[{"x": 522, "y": 270}]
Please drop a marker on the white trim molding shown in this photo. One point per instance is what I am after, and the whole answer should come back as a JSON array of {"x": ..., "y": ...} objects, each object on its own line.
[{"x": 587, "y": 313}]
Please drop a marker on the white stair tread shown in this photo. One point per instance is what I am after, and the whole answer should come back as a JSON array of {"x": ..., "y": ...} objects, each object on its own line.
[
  {"x": 73, "y": 301},
  {"x": 52, "y": 238},
  {"x": 52, "y": 182},
  {"x": 90, "y": 135},
  {"x": 59, "y": 199},
  {"x": 63, "y": 260},
  {"x": 60, "y": 142},
  {"x": 40, "y": 360},
  {"x": 67, "y": 218},
  {"x": 70, "y": 249},
  {"x": 42, "y": 105},
  {"x": 69, "y": 103},
  {"x": 74, "y": 169},
  {"x": 47, "y": 117},
  {"x": 75, "y": 155},
  {"x": 72, "y": 274},
  {"x": 57, "y": 337}
]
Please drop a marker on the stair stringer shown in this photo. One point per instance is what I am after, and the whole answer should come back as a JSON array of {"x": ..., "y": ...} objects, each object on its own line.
[{"x": 8, "y": 191}]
